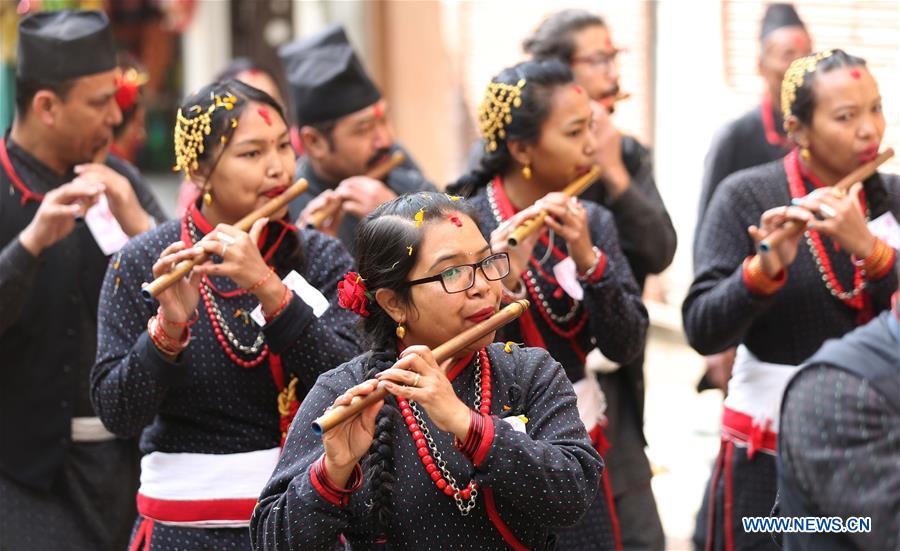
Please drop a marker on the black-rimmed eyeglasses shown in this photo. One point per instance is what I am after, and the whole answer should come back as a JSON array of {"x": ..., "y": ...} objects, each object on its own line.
[{"x": 457, "y": 279}]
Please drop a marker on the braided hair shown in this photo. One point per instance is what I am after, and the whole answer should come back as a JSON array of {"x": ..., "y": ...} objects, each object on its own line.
[
  {"x": 384, "y": 261},
  {"x": 542, "y": 78},
  {"x": 200, "y": 151}
]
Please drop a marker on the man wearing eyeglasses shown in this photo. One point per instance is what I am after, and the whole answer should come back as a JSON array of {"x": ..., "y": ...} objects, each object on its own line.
[{"x": 583, "y": 41}]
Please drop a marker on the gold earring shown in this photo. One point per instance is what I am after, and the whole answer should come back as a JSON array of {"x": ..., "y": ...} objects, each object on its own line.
[
  {"x": 400, "y": 331},
  {"x": 526, "y": 171},
  {"x": 804, "y": 153},
  {"x": 207, "y": 198}
]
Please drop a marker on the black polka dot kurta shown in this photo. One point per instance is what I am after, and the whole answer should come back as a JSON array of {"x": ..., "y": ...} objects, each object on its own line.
[
  {"x": 203, "y": 402},
  {"x": 839, "y": 444},
  {"x": 541, "y": 480}
]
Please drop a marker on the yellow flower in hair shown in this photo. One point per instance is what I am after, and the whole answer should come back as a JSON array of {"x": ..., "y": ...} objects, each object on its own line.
[
  {"x": 420, "y": 218},
  {"x": 409, "y": 250}
]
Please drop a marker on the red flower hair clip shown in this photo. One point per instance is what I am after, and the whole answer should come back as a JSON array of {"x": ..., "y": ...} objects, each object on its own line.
[
  {"x": 352, "y": 294},
  {"x": 128, "y": 84}
]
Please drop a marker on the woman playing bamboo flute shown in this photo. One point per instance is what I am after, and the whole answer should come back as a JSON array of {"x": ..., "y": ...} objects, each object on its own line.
[
  {"x": 209, "y": 391},
  {"x": 485, "y": 451},
  {"x": 779, "y": 306},
  {"x": 535, "y": 122}
]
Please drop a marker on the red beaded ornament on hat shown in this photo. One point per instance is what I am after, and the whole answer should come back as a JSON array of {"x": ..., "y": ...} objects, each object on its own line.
[
  {"x": 855, "y": 298},
  {"x": 435, "y": 466}
]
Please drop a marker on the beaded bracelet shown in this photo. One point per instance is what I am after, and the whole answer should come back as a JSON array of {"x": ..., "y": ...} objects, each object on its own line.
[
  {"x": 598, "y": 256},
  {"x": 286, "y": 297},
  {"x": 259, "y": 283},
  {"x": 516, "y": 295}
]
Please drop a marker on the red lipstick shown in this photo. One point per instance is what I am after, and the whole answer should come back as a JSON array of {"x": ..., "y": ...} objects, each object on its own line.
[
  {"x": 868, "y": 154},
  {"x": 482, "y": 314},
  {"x": 275, "y": 192}
]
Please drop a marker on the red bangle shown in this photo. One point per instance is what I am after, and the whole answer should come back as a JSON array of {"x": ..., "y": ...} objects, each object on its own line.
[
  {"x": 757, "y": 281},
  {"x": 877, "y": 264},
  {"x": 163, "y": 342},
  {"x": 187, "y": 323},
  {"x": 171, "y": 344},
  {"x": 284, "y": 302},
  {"x": 327, "y": 488},
  {"x": 262, "y": 280},
  {"x": 469, "y": 446}
]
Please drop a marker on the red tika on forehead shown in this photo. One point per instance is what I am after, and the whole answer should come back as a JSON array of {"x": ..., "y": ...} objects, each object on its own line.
[
  {"x": 456, "y": 221},
  {"x": 608, "y": 43},
  {"x": 264, "y": 113},
  {"x": 855, "y": 73},
  {"x": 578, "y": 89},
  {"x": 378, "y": 111}
]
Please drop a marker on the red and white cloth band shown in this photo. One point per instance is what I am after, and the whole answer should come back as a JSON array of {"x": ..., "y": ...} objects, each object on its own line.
[
  {"x": 754, "y": 401},
  {"x": 204, "y": 490}
]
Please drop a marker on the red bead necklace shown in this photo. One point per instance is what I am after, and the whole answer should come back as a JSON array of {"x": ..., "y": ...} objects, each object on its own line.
[
  {"x": 206, "y": 289},
  {"x": 853, "y": 298},
  {"x": 220, "y": 336},
  {"x": 435, "y": 466},
  {"x": 577, "y": 317}
]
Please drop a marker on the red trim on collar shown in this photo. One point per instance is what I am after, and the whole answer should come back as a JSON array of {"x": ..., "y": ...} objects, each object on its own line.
[
  {"x": 460, "y": 364},
  {"x": 804, "y": 171},
  {"x": 504, "y": 205},
  {"x": 199, "y": 220},
  {"x": 27, "y": 194},
  {"x": 773, "y": 136},
  {"x": 454, "y": 370}
]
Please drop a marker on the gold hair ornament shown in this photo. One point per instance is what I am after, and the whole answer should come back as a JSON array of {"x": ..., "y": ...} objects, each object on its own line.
[
  {"x": 495, "y": 111},
  {"x": 793, "y": 78},
  {"x": 191, "y": 130}
]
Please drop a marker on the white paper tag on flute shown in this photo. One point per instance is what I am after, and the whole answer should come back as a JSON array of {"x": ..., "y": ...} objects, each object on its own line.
[
  {"x": 886, "y": 228},
  {"x": 105, "y": 228},
  {"x": 566, "y": 273},
  {"x": 307, "y": 293}
]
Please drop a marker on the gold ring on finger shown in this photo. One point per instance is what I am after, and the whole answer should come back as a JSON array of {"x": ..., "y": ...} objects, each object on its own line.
[{"x": 416, "y": 380}]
